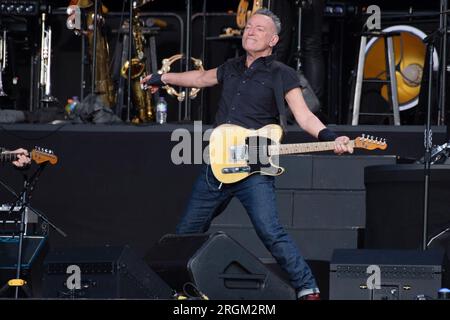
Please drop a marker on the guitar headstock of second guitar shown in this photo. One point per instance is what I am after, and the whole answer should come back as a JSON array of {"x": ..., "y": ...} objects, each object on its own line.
[
  {"x": 370, "y": 142},
  {"x": 41, "y": 155}
]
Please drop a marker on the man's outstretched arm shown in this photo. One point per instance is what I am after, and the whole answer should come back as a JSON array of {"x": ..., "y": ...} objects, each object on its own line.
[
  {"x": 311, "y": 124},
  {"x": 189, "y": 79}
]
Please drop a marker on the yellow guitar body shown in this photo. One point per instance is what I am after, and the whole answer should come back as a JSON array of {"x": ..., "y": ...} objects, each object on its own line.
[
  {"x": 227, "y": 152},
  {"x": 236, "y": 152},
  {"x": 243, "y": 14}
]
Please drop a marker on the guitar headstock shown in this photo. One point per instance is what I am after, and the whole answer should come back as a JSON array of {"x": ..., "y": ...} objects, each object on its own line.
[
  {"x": 370, "y": 142},
  {"x": 41, "y": 155}
]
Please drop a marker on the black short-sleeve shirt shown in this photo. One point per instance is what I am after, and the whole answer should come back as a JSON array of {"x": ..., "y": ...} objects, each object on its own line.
[{"x": 248, "y": 94}]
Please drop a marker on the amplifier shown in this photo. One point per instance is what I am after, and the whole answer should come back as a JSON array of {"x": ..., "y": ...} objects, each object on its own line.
[
  {"x": 107, "y": 272},
  {"x": 403, "y": 274},
  {"x": 19, "y": 8}
]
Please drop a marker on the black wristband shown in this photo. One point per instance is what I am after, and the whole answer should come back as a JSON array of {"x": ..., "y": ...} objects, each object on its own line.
[
  {"x": 327, "y": 135},
  {"x": 155, "y": 80}
]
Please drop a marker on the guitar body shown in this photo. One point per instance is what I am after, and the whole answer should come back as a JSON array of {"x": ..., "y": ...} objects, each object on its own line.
[
  {"x": 241, "y": 15},
  {"x": 81, "y": 3},
  {"x": 236, "y": 153},
  {"x": 257, "y": 4}
]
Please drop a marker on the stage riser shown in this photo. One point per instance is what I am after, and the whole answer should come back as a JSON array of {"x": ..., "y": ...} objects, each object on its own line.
[{"x": 117, "y": 184}]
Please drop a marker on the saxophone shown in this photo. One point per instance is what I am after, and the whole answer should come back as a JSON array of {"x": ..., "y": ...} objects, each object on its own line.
[
  {"x": 142, "y": 99},
  {"x": 104, "y": 86}
]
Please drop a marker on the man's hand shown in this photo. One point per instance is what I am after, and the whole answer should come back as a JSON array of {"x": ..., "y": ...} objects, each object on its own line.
[
  {"x": 23, "y": 158},
  {"x": 342, "y": 145},
  {"x": 145, "y": 85}
]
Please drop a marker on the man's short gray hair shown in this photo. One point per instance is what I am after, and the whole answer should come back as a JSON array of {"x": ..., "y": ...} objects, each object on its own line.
[{"x": 271, "y": 15}]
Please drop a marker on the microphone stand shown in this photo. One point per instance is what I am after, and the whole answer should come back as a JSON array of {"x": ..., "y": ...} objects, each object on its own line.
[
  {"x": 443, "y": 68},
  {"x": 22, "y": 199},
  {"x": 298, "y": 55},
  {"x": 428, "y": 138}
]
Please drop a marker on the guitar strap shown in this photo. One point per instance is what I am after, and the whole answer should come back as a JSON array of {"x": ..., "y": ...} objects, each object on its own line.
[{"x": 279, "y": 98}]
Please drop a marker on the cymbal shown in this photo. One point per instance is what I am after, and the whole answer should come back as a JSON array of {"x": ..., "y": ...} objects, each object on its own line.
[{"x": 140, "y": 3}]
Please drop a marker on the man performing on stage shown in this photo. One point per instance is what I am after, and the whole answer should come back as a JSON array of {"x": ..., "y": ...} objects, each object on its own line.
[{"x": 249, "y": 100}]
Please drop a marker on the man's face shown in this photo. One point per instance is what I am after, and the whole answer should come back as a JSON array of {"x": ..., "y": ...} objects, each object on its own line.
[{"x": 259, "y": 34}]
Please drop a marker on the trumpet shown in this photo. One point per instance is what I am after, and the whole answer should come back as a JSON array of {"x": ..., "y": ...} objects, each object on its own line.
[
  {"x": 45, "y": 67},
  {"x": 2, "y": 62}
]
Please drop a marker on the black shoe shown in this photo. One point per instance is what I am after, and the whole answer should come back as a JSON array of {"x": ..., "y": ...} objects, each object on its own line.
[{"x": 311, "y": 296}]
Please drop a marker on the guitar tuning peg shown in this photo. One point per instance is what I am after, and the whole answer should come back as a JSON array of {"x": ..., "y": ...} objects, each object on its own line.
[{"x": 363, "y": 135}]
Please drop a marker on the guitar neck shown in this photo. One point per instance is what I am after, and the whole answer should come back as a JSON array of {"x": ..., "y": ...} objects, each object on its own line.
[
  {"x": 8, "y": 157},
  {"x": 303, "y": 147}
]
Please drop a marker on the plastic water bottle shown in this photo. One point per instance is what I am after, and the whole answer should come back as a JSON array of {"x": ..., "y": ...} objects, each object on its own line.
[
  {"x": 161, "y": 111},
  {"x": 444, "y": 294}
]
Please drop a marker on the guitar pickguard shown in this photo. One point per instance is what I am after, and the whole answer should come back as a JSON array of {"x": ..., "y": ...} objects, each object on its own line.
[{"x": 258, "y": 155}]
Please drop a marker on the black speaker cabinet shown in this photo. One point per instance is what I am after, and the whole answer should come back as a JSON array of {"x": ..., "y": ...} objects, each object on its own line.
[
  {"x": 217, "y": 266},
  {"x": 34, "y": 249},
  {"x": 404, "y": 274},
  {"x": 31, "y": 249},
  {"x": 106, "y": 272},
  {"x": 395, "y": 202}
]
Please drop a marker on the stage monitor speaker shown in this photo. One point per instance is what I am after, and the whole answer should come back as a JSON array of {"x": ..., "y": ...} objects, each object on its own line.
[
  {"x": 31, "y": 248},
  {"x": 404, "y": 274},
  {"x": 34, "y": 249},
  {"x": 106, "y": 272},
  {"x": 217, "y": 266}
]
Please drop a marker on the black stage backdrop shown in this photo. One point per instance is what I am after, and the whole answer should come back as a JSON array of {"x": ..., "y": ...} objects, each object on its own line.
[{"x": 117, "y": 184}]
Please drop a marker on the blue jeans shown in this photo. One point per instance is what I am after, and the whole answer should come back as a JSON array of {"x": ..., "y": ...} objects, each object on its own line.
[{"x": 257, "y": 194}]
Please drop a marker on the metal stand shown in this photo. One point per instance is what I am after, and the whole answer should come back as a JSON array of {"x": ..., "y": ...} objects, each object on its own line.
[
  {"x": 187, "y": 57},
  {"x": 17, "y": 282},
  {"x": 84, "y": 63},
  {"x": 298, "y": 56},
  {"x": 428, "y": 141},
  {"x": 203, "y": 57},
  {"x": 22, "y": 200},
  {"x": 443, "y": 66},
  {"x": 130, "y": 48},
  {"x": 94, "y": 49},
  {"x": 391, "y": 80}
]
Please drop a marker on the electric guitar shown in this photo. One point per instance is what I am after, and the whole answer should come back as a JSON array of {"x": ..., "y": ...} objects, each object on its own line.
[
  {"x": 38, "y": 155},
  {"x": 236, "y": 152},
  {"x": 243, "y": 14}
]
